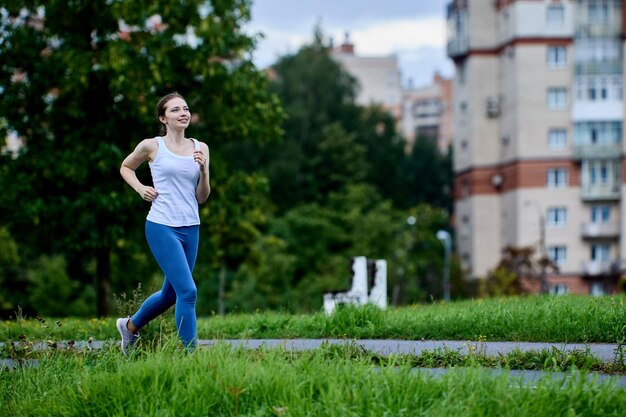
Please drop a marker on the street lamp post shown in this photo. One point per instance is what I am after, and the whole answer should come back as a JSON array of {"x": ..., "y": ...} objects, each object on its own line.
[{"x": 446, "y": 239}]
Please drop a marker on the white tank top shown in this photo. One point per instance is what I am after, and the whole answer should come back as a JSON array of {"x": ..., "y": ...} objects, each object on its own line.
[{"x": 175, "y": 178}]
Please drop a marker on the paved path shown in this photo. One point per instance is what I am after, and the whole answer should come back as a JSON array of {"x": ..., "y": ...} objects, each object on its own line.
[{"x": 604, "y": 352}]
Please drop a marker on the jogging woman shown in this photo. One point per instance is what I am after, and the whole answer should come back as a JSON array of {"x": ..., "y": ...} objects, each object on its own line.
[{"x": 180, "y": 173}]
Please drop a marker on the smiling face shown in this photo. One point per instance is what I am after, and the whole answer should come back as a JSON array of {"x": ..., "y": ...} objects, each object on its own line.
[{"x": 176, "y": 115}]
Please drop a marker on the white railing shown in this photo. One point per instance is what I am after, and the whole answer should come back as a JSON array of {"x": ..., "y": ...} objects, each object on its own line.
[{"x": 591, "y": 230}]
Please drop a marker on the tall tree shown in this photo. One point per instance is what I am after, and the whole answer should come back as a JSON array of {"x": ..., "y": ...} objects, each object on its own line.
[
  {"x": 329, "y": 142},
  {"x": 78, "y": 83},
  {"x": 428, "y": 175}
]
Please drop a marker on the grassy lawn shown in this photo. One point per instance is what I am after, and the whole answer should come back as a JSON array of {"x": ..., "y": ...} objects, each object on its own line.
[
  {"x": 160, "y": 380},
  {"x": 330, "y": 381},
  {"x": 538, "y": 319}
]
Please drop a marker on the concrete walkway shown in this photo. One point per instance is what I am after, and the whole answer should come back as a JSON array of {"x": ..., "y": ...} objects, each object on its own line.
[{"x": 605, "y": 352}]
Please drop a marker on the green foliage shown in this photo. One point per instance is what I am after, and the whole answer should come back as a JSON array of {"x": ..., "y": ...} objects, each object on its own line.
[
  {"x": 429, "y": 175},
  {"x": 79, "y": 87},
  {"x": 265, "y": 284},
  {"x": 354, "y": 320},
  {"x": 10, "y": 278},
  {"x": 567, "y": 319},
  {"x": 500, "y": 282},
  {"x": 79, "y": 81},
  {"x": 221, "y": 380},
  {"x": 516, "y": 268},
  {"x": 48, "y": 276}
]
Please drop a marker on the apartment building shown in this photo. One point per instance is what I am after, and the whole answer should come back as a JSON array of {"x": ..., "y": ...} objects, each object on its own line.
[
  {"x": 378, "y": 77},
  {"x": 427, "y": 112},
  {"x": 538, "y": 151},
  {"x": 423, "y": 111}
]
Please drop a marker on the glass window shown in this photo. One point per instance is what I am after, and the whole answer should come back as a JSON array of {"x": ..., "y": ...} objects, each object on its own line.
[
  {"x": 555, "y": 14},
  {"x": 557, "y": 138},
  {"x": 598, "y": 12},
  {"x": 557, "y": 98},
  {"x": 557, "y": 254},
  {"x": 557, "y": 177},
  {"x": 589, "y": 133},
  {"x": 557, "y": 56},
  {"x": 599, "y": 172},
  {"x": 600, "y": 214},
  {"x": 601, "y": 252},
  {"x": 557, "y": 217},
  {"x": 559, "y": 289},
  {"x": 597, "y": 288}
]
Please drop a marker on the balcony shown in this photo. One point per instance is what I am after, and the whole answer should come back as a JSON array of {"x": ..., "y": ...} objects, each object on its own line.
[
  {"x": 595, "y": 268},
  {"x": 586, "y": 29},
  {"x": 595, "y": 151},
  {"x": 458, "y": 46},
  {"x": 458, "y": 33},
  {"x": 597, "y": 230},
  {"x": 598, "y": 68},
  {"x": 606, "y": 191}
]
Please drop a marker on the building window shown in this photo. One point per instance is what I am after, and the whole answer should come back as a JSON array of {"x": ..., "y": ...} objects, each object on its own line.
[
  {"x": 555, "y": 15},
  {"x": 597, "y": 133},
  {"x": 604, "y": 50},
  {"x": 557, "y": 138},
  {"x": 557, "y": 98},
  {"x": 557, "y": 56},
  {"x": 598, "y": 88},
  {"x": 557, "y": 217},
  {"x": 598, "y": 12},
  {"x": 600, "y": 252},
  {"x": 599, "y": 172},
  {"x": 559, "y": 289},
  {"x": 557, "y": 254},
  {"x": 557, "y": 178},
  {"x": 597, "y": 289},
  {"x": 600, "y": 214}
]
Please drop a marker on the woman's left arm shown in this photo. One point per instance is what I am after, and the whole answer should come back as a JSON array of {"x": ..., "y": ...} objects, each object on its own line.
[{"x": 203, "y": 189}]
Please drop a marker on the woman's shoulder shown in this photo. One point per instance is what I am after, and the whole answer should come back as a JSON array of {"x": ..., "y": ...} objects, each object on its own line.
[
  {"x": 202, "y": 144},
  {"x": 149, "y": 144}
]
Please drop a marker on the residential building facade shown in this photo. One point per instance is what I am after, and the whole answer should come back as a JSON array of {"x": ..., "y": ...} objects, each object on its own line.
[
  {"x": 378, "y": 77},
  {"x": 427, "y": 112},
  {"x": 538, "y": 152},
  {"x": 424, "y": 111}
]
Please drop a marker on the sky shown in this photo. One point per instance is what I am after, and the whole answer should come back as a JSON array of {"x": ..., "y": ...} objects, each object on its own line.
[{"x": 413, "y": 30}]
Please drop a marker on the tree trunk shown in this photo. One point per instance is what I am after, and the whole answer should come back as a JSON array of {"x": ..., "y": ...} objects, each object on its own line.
[
  {"x": 220, "y": 296},
  {"x": 103, "y": 281}
]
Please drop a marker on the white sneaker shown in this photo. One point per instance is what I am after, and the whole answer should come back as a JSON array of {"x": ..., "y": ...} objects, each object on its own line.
[{"x": 128, "y": 338}]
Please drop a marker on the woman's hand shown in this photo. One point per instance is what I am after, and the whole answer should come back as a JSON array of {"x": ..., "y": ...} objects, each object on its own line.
[
  {"x": 148, "y": 193},
  {"x": 202, "y": 161}
]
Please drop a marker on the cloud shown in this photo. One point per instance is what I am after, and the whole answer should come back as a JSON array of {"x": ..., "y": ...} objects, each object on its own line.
[
  {"x": 384, "y": 38},
  {"x": 380, "y": 38},
  {"x": 419, "y": 43}
]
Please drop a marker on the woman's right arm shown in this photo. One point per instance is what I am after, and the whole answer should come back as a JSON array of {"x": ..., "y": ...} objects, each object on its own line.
[{"x": 142, "y": 153}]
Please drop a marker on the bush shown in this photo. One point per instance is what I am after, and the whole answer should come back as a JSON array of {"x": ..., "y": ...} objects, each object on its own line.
[{"x": 52, "y": 293}]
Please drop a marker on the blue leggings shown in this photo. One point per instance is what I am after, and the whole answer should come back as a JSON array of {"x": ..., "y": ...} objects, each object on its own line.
[{"x": 175, "y": 250}]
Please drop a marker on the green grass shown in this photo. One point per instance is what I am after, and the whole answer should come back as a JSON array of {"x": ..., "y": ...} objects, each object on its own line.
[
  {"x": 160, "y": 380},
  {"x": 566, "y": 319},
  {"x": 330, "y": 381}
]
